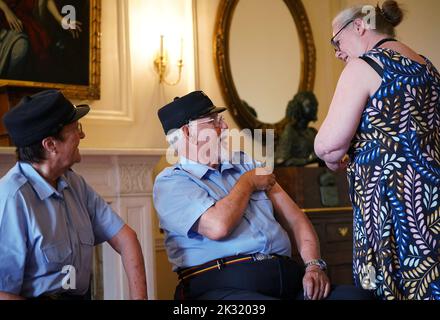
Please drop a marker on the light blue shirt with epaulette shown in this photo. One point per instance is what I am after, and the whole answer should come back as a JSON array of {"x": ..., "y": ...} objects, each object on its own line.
[
  {"x": 44, "y": 230},
  {"x": 183, "y": 192}
]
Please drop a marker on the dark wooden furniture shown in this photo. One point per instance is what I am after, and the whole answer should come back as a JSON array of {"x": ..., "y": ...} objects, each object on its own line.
[{"x": 334, "y": 225}]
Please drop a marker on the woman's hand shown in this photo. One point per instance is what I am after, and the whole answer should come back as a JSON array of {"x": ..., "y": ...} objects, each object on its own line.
[
  {"x": 338, "y": 166},
  {"x": 14, "y": 23},
  {"x": 76, "y": 30},
  {"x": 73, "y": 26}
]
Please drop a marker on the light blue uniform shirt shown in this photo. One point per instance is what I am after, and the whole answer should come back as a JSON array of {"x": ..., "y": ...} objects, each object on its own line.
[
  {"x": 183, "y": 192},
  {"x": 43, "y": 229}
]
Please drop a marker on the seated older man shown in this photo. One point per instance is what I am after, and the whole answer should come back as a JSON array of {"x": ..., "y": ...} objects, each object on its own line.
[
  {"x": 50, "y": 218},
  {"x": 228, "y": 228}
]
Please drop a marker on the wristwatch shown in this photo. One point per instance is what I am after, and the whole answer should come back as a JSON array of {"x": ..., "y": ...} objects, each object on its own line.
[{"x": 317, "y": 262}]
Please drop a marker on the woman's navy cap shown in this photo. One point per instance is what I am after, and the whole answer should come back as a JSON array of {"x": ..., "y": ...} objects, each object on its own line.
[
  {"x": 192, "y": 106},
  {"x": 41, "y": 115}
]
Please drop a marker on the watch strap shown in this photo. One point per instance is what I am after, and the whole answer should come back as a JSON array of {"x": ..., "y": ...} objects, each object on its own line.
[{"x": 316, "y": 262}]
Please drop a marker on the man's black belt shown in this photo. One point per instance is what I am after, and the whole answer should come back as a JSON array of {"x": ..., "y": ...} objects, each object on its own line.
[{"x": 218, "y": 264}]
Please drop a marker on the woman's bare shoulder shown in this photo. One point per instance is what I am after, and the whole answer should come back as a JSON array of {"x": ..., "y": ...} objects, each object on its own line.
[{"x": 405, "y": 51}]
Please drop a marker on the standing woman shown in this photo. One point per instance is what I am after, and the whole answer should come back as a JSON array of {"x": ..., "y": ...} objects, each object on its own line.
[{"x": 385, "y": 115}]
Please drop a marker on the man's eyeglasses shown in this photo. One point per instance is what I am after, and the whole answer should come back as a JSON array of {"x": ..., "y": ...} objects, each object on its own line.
[
  {"x": 60, "y": 127},
  {"x": 334, "y": 43},
  {"x": 218, "y": 120}
]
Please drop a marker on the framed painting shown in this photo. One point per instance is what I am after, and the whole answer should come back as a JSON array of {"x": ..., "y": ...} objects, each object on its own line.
[{"x": 51, "y": 44}]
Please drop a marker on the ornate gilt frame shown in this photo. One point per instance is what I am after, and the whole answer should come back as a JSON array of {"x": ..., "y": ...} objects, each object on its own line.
[
  {"x": 223, "y": 66},
  {"x": 92, "y": 91}
]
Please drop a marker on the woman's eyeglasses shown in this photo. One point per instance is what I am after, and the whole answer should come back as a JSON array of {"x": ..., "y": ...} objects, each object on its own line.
[{"x": 334, "y": 43}]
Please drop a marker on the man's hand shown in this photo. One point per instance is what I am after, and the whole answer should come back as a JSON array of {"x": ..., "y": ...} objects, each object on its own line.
[
  {"x": 221, "y": 219},
  {"x": 261, "y": 182},
  {"x": 316, "y": 284}
]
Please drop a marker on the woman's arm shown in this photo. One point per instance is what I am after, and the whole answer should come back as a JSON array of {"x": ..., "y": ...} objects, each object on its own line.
[
  {"x": 13, "y": 21},
  {"x": 51, "y": 6},
  {"x": 357, "y": 82}
]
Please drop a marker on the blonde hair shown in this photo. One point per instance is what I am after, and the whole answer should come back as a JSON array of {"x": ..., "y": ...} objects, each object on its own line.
[{"x": 387, "y": 18}]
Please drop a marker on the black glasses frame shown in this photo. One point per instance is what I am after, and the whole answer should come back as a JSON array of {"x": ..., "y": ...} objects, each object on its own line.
[{"x": 332, "y": 40}]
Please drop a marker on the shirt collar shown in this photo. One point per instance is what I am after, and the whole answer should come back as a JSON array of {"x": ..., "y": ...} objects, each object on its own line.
[
  {"x": 198, "y": 169},
  {"x": 195, "y": 168},
  {"x": 225, "y": 166},
  {"x": 39, "y": 184}
]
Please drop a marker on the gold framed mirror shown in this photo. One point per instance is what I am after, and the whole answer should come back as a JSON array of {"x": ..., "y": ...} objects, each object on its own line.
[{"x": 252, "y": 37}]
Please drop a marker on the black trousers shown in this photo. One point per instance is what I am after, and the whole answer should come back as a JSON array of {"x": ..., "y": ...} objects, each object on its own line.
[
  {"x": 272, "y": 279},
  {"x": 65, "y": 296}
]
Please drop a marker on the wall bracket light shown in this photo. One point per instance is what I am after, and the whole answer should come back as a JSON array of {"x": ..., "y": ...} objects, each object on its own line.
[{"x": 161, "y": 63}]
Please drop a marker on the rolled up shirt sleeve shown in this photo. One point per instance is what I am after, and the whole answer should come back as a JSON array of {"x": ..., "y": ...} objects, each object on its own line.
[
  {"x": 179, "y": 203},
  {"x": 13, "y": 248},
  {"x": 247, "y": 162},
  {"x": 105, "y": 222}
]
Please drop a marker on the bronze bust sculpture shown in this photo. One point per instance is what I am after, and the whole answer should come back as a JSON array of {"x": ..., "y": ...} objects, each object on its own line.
[{"x": 296, "y": 143}]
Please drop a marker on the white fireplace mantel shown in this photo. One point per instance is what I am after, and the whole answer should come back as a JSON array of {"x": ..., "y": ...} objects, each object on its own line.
[{"x": 123, "y": 177}]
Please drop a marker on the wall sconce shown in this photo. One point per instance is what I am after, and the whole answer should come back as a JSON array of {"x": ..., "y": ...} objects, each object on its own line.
[{"x": 161, "y": 63}]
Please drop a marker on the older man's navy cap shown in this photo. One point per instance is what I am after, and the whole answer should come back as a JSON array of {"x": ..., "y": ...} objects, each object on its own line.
[
  {"x": 41, "y": 115},
  {"x": 192, "y": 106}
]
